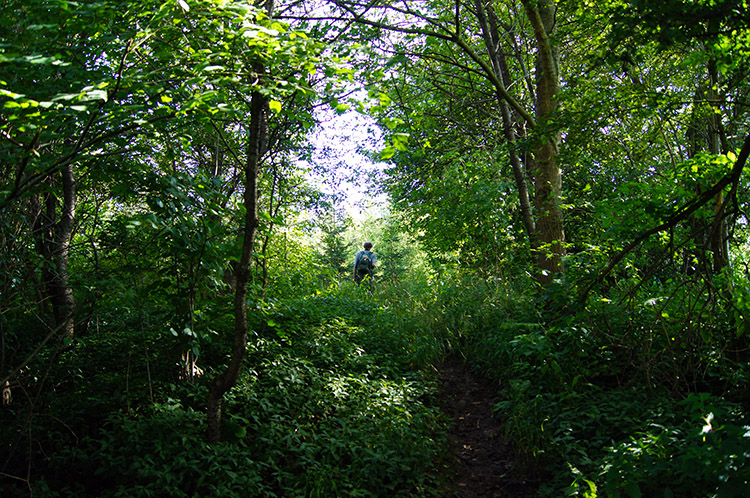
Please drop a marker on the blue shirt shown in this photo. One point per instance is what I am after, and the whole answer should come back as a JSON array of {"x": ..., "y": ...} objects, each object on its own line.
[{"x": 371, "y": 254}]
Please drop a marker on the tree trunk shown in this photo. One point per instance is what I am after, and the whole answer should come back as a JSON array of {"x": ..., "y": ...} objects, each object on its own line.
[
  {"x": 706, "y": 132},
  {"x": 255, "y": 148},
  {"x": 267, "y": 238},
  {"x": 718, "y": 236},
  {"x": 548, "y": 179},
  {"x": 488, "y": 24},
  {"x": 545, "y": 225},
  {"x": 53, "y": 238}
]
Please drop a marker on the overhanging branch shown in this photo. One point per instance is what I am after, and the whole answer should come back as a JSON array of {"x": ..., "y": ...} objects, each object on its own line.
[{"x": 681, "y": 214}]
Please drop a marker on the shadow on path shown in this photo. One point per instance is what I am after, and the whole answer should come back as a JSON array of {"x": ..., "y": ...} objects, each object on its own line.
[{"x": 482, "y": 463}]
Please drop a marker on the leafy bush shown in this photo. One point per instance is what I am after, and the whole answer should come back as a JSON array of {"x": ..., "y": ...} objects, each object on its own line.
[
  {"x": 602, "y": 399},
  {"x": 160, "y": 453},
  {"x": 681, "y": 459},
  {"x": 331, "y": 404}
]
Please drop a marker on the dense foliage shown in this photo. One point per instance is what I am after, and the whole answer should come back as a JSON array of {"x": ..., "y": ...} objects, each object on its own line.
[
  {"x": 567, "y": 198},
  {"x": 333, "y": 404}
]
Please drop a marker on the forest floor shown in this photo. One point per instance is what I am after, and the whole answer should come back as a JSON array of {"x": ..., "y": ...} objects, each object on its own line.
[{"x": 482, "y": 462}]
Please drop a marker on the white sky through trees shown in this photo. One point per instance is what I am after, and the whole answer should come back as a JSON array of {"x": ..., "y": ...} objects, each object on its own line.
[{"x": 342, "y": 163}]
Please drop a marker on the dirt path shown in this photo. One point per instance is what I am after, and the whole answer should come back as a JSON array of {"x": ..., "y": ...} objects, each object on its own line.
[{"x": 482, "y": 459}]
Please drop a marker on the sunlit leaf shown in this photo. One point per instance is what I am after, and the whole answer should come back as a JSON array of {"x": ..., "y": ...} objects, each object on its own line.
[{"x": 388, "y": 152}]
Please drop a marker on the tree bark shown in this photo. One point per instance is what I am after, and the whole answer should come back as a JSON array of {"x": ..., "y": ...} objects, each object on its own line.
[
  {"x": 548, "y": 178},
  {"x": 718, "y": 235},
  {"x": 256, "y": 146},
  {"x": 706, "y": 133},
  {"x": 53, "y": 238},
  {"x": 492, "y": 43}
]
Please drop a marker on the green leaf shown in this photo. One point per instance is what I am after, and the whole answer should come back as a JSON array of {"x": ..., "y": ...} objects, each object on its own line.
[
  {"x": 95, "y": 95},
  {"x": 400, "y": 141},
  {"x": 591, "y": 492},
  {"x": 632, "y": 490},
  {"x": 388, "y": 152},
  {"x": 13, "y": 95}
]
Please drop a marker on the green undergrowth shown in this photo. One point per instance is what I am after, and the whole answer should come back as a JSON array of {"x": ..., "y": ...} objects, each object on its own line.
[
  {"x": 338, "y": 397},
  {"x": 600, "y": 400},
  {"x": 335, "y": 400}
]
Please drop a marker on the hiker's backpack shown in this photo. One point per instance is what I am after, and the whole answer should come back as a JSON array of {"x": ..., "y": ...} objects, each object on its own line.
[{"x": 364, "y": 264}]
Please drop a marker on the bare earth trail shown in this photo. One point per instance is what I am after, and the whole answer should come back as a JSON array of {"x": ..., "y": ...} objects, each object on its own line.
[{"x": 482, "y": 459}]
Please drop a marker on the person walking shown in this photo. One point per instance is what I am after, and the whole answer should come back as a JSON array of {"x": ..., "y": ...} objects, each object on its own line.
[{"x": 364, "y": 263}]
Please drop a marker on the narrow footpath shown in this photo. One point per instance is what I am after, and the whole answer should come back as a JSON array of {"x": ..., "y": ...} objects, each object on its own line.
[{"x": 482, "y": 464}]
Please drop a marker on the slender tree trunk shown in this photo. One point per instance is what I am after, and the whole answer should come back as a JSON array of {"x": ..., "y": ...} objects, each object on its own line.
[
  {"x": 718, "y": 236},
  {"x": 256, "y": 146},
  {"x": 53, "y": 238},
  {"x": 706, "y": 132},
  {"x": 545, "y": 224},
  {"x": 63, "y": 236},
  {"x": 267, "y": 239},
  {"x": 488, "y": 24}
]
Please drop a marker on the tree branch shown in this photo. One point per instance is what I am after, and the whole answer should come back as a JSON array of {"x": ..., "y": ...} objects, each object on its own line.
[
  {"x": 681, "y": 214},
  {"x": 455, "y": 38}
]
